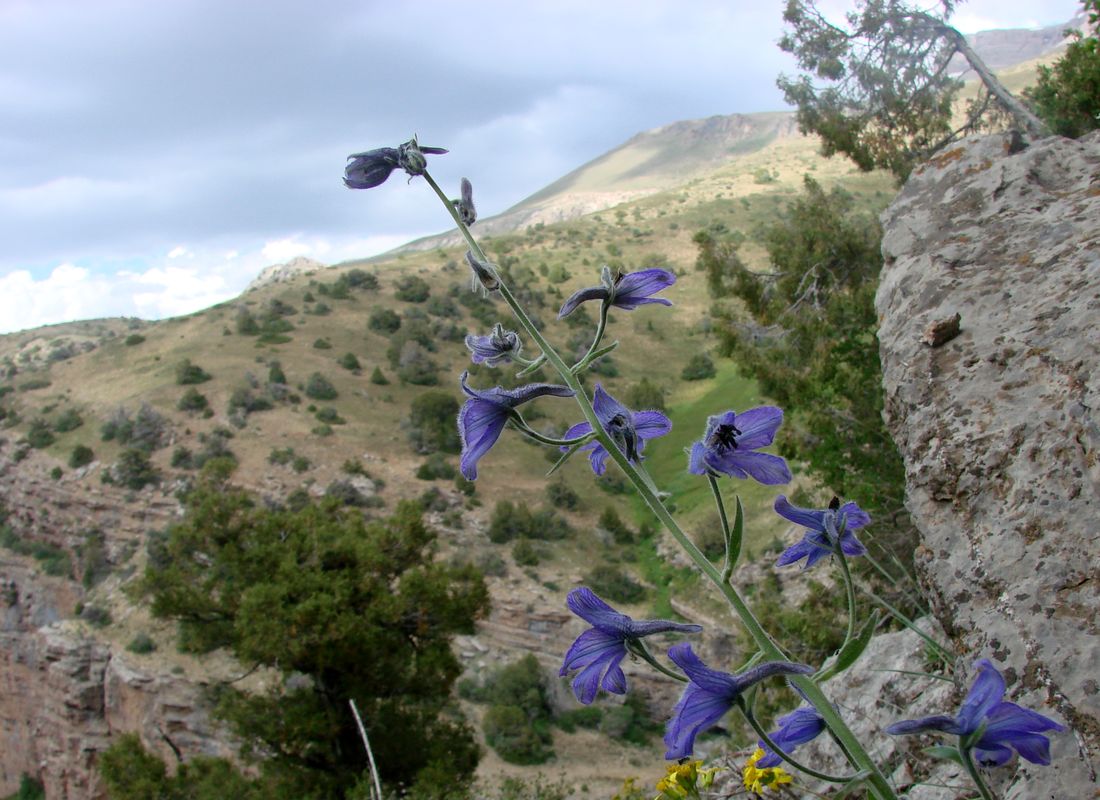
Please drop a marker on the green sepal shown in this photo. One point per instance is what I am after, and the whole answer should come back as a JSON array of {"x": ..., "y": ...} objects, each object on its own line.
[
  {"x": 851, "y": 651},
  {"x": 736, "y": 535},
  {"x": 945, "y": 753}
]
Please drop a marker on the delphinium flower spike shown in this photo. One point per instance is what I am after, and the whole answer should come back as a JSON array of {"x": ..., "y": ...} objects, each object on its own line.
[
  {"x": 730, "y": 444},
  {"x": 628, "y": 429},
  {"x": 988, "y": 724},
  {"x": 599, "y": 650},
  {"x": 482, "y": 418},
  {"x": 710, "y": 694},
  {"x": 826, "y": 528},
  {"x": 492, "y": 349},
  {"x": 623, "y": 290}
]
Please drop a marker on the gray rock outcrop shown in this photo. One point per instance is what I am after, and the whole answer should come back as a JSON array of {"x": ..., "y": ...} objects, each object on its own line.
[{"x": 995, "y": 417}]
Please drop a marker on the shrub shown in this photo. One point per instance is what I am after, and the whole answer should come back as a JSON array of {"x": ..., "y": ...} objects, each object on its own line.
[
  {"x": 320, "y": 388},
  {"x": 81, "y": 456},
  {"x": 346, "y": 494},
  {"x": 245, "y": 401},
  {"x": 35, "y": 383},
  {"x": 378, "y": 378},
  {"x": 1066, "y": 94},
  {"x": 134, "y": 470},
  {"x": 182, "y": 458},
  {"x": 433, "y": 423},
  {"x": 96, "y": 616},
  {"x": 361, "y": 279},
  {"x": 436, "y": 467},
  {"x": 133, "y": 339},
  {"x": 188, "y": 373},
  {"x": 145, "y": 431},
  {"x": 508, "y": 731},
  {"x": 275, "y": 373},
  {"x": 561, "y": 496},
  {"x": 415, "y": 367},
  {"x": 612, "y": 583},
  {"x": 384, "y": 321},
  {"x": 629, "y": 722},
  {"x": 525, "y": 554},
  {"x": 646, "y": 395},
  {"x": 68, "y": 420},
  {"x": 516, "y": 521},
  {"x": 613, "y": 524},
  {"x": 193, "y": 400},
  {"x": 322, "y": 344},
  {"x": 329, "y": 415},
  {"x": 413, "y": 289},
  {"x": 39, "y": 435},
  {"x": 349, "y": 361},
  {"x": 141, "y": 644},
  {"x": 699, "y": 367},
  {"x": 93, "y": 559},
  {"x": 246, "y": 323}
]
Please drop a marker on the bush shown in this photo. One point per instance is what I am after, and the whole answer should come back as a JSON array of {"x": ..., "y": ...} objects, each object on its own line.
[
  {"x": 433, "y": 423},
  {"x": 193, "y": 400},
  {"x": 322, "y": 344},
  {"x": 613, "y": 524},
  {"x": 245, "y": 401},
  {"x": 435, "y": 468},
  {"x": 378, "y": 378},
  {"x": 350, "y": 361},
  {"x": 1067, "y": 94},
  {"x": 188, "y": 373},
  {"x": 93, "y": 559},
  {"x": 516, "y": 521},
  {"x": 361, "y": 279},
  {"x": 81, "y": 456},
  {"x": 413, "y": 289},
  {"x": 561, "y": 496},
  {"x": 134, "y": 470},
  {"x": 508, "y": 731},
  {"x": 68, "y": 420},
  {"x": 133, "y": 339},
  {"x": 611, "y": 583},
  {"x": 525, "y": 554},
  {"x": 320, "y": 388},
  {"x": 145, "y": 431},
  {"x": 384, "y": 321},
  {"x": 141, "y": 644},
  {"x": 586, "y": 717},
  {"x": 96, "y": 616},
  {"x": 699, "y": 367},
  {"x": 646, "y": 395},
  {"x": 415, "y": 367},
  {"x": 329, "y": 415},
  {"x": 39, "y": 435}
]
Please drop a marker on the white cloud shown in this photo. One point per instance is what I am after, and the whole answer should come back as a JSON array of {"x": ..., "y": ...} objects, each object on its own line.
[
  {"x": 178, "y": 251},
  {"x": 285, "y": 249}
]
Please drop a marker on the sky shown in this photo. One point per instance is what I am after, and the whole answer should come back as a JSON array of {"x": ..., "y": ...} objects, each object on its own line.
[{"x": 155, "y": 155}]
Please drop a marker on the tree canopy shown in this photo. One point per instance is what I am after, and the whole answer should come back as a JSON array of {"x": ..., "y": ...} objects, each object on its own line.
[
  {"x": 342, "y": 609},
  {"x": 876, "y": 87}
]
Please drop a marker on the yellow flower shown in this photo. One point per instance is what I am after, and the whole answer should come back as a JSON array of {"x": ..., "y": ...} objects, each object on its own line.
[
  {"x": 758, "y": 780},
  {"x": 684, "y": 780}
]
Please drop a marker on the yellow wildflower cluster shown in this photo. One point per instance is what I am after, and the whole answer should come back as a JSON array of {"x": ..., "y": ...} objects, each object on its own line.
[
  {"x": 685, "y": 780},
  {"x": 759, "y": 780}
]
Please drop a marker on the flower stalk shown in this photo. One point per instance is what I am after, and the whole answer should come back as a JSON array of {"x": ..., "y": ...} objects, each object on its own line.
[{"x": 860, "y": 758}]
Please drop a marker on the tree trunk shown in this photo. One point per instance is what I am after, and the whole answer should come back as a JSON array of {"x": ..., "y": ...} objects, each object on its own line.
[{"x": 1030, "y": 124}]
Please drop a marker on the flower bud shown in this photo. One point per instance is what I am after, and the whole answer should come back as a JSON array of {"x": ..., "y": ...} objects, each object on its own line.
[
  {"x": 465, "y": 205},
  {"x": 483, "y": 273}
]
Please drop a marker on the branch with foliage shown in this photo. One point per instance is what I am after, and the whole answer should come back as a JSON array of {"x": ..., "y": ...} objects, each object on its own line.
[
  {"x": 1067, "y": 94},
  {"x": 877, "y": 88}
]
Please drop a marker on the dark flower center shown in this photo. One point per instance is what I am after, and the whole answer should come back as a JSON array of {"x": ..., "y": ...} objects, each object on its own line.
[
  {"x": 724, "y": 437},
  {"x": 621, "y": 429}
]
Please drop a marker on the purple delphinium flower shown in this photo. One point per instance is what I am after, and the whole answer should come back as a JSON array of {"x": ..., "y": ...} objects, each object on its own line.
[
  {"x": 710, "y": 694},
  {"x": 624, "y": 290},
  {"x": 825, "y": 529},
  {"x": 730, "y": 443},
  {"x": 498, "y": 346},
  {"x": 599, "y": 649},
  {"x": 484, "y": 415},
  {"x": 628, "y": 429},
  {"x": 800, "y": 726},
  {"x": 1006, "y": 725},
  {"x": 373, "y": 167}
]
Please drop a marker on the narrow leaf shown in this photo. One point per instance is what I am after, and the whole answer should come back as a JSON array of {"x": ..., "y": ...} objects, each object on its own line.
[
  {"x": 945, "y": 753},
  {"x": 851, "y": 650}
]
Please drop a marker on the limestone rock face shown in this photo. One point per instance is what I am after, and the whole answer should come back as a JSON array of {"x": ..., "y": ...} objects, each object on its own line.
[{"x": 998, "y": 423}]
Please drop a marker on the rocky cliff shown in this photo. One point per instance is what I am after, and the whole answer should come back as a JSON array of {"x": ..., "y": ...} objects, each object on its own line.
[{"x": 989, "y": 302}]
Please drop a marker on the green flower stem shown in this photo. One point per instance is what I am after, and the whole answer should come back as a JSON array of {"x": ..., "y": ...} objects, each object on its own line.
[
  {"x": 763, "y": 734},
  {"x": 861, "y": 759},
  {"x": 975, "y": 775},
  {"x": 526, "y": 430},
  {"x": 733, "y": 546},
  {"x": 847, "y": 573},
  {"x": 531, "y": 366},
  {"x": 601, "y": 326},
  {"x": 638, "y": 648},
  {"x": 941, "y": 651}
]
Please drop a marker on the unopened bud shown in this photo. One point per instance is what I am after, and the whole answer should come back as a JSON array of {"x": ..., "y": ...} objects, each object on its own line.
[
  {"x": 483, "y": 273},
  {"x": 465, "y": 205}
]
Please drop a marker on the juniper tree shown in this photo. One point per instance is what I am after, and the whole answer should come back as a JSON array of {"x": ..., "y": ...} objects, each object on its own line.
[{"x": 877, "y": 89}]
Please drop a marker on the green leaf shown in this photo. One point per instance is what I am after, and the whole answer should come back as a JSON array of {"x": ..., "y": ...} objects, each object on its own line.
[
  {"x": 564, "y": 457},
  {"x": 851, "y": 651},
  {"x": 945, "y": 753}
]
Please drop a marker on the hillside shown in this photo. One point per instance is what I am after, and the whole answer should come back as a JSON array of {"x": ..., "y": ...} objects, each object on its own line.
[{"x": 239, "y": 378}]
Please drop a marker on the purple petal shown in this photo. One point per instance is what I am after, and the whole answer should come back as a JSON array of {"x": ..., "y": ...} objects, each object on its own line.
[
  {"x": 479, "y": 425},
  {"x": 938, "y": 722},
  {"x": 709, "y": 679},
  {"x": 1033, "y": 747},
  {"x": 1011, "y": 717},
  {"x": 984, "y": 696},
  {"x": 758, "y": 427},
  {"x": 651, "y": 424},
  {"x": 588, "y": 606},
  {"x": 582, "y": 296},
  {"x": 607, "y": 407},
  {"x": 800, "y": 726},
  {"x": 598, "y": 458},
  {"x": 762, "y": 467},
  {"x": 992, "y": 756},
  {"x": 850, "y": 545},
  {"x": 697, "y": 710},
  {"x": 647, "y": 627},
  {"x": 807, "y": 518},
  {"x": 697, "y": 459},
  {"x": 769, "y": 670},
  {"x": 816, "y": 555},
  {"x": 577, "y": 431},
  {"x": 855, "y": 517},
  {"x": 636, "y": 288},
  {"x": 523, "y": 394},
  {"x": 614, "y": 680},
  {"x": 592, "y": 645},
  {"x": 796, "y": 552}
]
